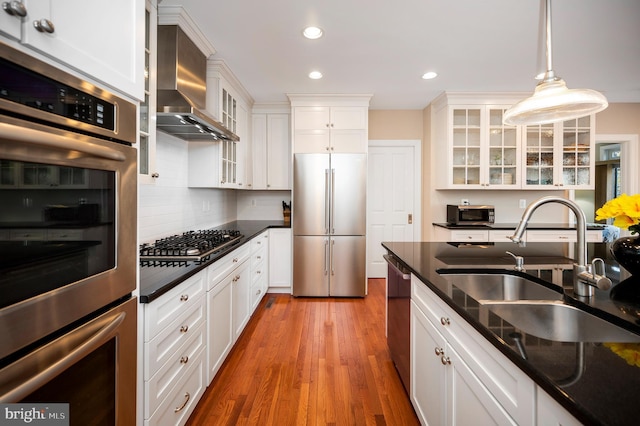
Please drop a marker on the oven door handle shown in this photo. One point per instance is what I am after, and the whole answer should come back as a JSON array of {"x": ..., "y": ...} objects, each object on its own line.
[
  {"x": 16, "y": 386},
  {"x": 68, "y": 142}
]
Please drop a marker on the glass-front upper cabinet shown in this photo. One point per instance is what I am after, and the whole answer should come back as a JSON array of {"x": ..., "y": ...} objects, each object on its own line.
[
  {"x": 485, "y": 152},
  {"x": 559, "y": 156}
]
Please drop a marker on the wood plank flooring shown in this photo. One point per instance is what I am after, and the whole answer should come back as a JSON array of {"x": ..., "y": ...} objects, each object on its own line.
[{"x": 307, "y": 361}]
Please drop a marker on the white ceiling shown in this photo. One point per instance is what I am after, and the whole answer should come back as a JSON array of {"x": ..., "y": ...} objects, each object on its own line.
[{"x": 383, "y": 47}]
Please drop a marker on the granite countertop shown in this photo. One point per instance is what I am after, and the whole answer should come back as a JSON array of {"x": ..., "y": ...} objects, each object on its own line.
[
  {"x": 604, "y": 391},
  {"x": 531, "y": 226},
  {"x": 157, "y": 280}
]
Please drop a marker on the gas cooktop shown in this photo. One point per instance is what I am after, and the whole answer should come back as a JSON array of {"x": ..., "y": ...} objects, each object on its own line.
[{"x": 192, "y": 246}]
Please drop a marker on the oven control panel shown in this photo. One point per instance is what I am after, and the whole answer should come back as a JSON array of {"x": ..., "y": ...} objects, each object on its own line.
[{"x": 28, "y": 88}]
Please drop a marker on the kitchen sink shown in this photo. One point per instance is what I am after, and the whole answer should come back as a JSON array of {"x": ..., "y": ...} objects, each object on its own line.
[
  {"x": 501, "y": 286},
  {"x": 555, "y": 320}
]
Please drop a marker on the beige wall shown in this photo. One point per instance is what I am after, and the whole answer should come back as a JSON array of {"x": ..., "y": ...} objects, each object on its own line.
[
  {"x": 622, "y": 118},
  {"x": 395, "y": 124}
]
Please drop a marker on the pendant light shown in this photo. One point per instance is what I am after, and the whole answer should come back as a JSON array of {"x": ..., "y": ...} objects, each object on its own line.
[{"x": 552, "y": 101}]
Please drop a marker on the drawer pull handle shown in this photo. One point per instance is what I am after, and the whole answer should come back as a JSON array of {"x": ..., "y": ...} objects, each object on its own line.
[
  {"x": 184, "y": 329},
  {"x": 180, "y": 408},
  {"x": 445, "y": 321},
  {"x": 439, "y": 351},
  {"x": 258, "y": 272},
  {"x": 445, "y": 360},
  {"x": 184, "y": 359},
  {"x": 184, "y": 297},
  {"x": 235, "y": 260}
]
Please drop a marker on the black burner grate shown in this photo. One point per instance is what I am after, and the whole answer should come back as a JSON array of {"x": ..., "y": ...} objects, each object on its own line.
[{"x": 192, "y": 246}]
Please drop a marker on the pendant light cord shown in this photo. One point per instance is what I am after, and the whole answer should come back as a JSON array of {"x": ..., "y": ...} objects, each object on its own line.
[{"x": 550, "y": 74}]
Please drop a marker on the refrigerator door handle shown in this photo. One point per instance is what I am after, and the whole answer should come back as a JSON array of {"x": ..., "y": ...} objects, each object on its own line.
[
  {"x": 326, "y": 256},
  {"x": 326, "y": 201},
  {"x": 331, "y": 257},
  {"x": 332, "y": 203}
]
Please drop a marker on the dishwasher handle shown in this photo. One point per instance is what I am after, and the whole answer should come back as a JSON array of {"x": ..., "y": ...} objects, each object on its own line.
[{"x": 396, "y": 266}]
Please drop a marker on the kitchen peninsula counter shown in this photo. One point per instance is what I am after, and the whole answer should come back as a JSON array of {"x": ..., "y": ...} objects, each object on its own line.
[
  {"x": 157, "y": 278},
  {"x": 605, "y": 390}
]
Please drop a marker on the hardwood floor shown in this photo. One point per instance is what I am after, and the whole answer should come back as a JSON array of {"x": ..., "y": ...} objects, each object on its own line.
[{"x": 306, "y": 361}]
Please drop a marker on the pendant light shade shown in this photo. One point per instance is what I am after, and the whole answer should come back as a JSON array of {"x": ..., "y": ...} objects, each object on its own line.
[{"x": 552, "y": 101}]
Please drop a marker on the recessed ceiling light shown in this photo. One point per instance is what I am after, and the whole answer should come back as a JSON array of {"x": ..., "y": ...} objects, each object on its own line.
[
  {"x": 315, "y": 75},
  {"x": 312, "y": 32},
  {"x": 429, "y": 75}
]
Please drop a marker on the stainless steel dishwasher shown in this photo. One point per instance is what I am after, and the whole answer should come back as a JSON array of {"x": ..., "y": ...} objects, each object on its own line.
[{"x": 399, "y": 317}]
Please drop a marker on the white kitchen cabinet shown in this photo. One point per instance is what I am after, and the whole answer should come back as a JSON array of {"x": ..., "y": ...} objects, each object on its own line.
[
  {"x": 550, "y": 413},
  {"x": 473, "y": 149},
  {"x": 241, "y": 287},
  {"x": 259, "y": 268},
  {"x": 11, "y": 22},
  {"x": 479, "y": 384},
  {"x": 280, "y": 260},
  {"x": 81, "y": 36},
  {"x": 502, "y": 235},
  {"x": 560, "y": 155},
  {"x": 212, "y": 164},
  {"x": 271, "y": 151},
  {"x": 147, "y": 171},
  {"x": 173, "y": 357},
  {"x": 222, "y": 305},
  {"x": 460, "y": 235},
  {"x": 222, "y": 164},
  {"x": 330, "y": 123}
]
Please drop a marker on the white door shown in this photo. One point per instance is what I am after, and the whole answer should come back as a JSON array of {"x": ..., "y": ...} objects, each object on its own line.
[{"x": 393, "y": 197}]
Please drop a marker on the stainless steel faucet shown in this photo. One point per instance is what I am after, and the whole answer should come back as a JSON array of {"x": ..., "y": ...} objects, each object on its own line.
[{"x": 585, "y": 276}]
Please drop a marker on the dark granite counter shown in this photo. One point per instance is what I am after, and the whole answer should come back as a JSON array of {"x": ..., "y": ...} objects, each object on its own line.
[
  {"x": 593, "y": 381},
  {"x": 157, "y": 280},
  {"x": 531, "y": 226}
]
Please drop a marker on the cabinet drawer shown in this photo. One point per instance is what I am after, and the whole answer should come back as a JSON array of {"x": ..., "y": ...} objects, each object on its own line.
[
  {"x": 552, "y": 236},
  {"x": 65, "y": 234},
  {"x": 258, "y": 290},
  {"x": 502, "y": 235},
  {"x": 260, "y": 242},
  {"x": 470, "y": 235},
  {"x": 162, "y": 347},
  {"x": 221, "y": 268},
  {"x": 258, "y": 257},
  {"x": 163, "y": 382},
  {"x": 182, "y": 399},
  {"x": 28, "y": 234},
  {"x": 163, "y": 311}
]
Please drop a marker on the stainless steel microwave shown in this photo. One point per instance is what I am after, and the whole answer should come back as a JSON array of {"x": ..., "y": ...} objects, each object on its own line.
[{"x": 470, "y": 215}]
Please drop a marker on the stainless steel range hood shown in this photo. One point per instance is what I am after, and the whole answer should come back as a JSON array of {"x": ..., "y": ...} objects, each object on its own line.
[{"x": 182, "y": 90}]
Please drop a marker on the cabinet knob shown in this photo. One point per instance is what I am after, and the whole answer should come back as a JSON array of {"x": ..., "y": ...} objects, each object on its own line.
[
  {"x": 445, "y": 321},
  {"x": 445, "y": 360},
  {"x": 327, "y": 124},
  {"x": 184, "y": 359},
  {"x": 184, "y": 328},
  {"x": 439, "y": 351},
  {"x": 15, "y": 8},
  {"x": 155, "y": 175},
  {"x": 184, "y": 297},
  {"x": 44, "y": 26}
]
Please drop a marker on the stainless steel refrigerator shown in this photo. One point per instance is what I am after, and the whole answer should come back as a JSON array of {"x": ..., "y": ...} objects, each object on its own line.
[{"x": 329, "y": 225}]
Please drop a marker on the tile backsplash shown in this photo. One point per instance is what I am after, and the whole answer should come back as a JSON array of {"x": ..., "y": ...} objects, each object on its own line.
[{"x": 169, "y": 207}]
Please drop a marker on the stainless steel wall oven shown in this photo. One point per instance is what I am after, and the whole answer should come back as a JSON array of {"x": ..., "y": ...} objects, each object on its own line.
[{"x": 67, "y": 242}]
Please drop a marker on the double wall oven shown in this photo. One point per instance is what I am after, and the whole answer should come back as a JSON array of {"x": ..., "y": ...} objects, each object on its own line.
[{"x": 67, "y": 243}]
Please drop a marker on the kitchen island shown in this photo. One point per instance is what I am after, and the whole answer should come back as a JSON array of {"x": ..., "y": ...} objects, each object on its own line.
[{"x": 593, "y": 381}]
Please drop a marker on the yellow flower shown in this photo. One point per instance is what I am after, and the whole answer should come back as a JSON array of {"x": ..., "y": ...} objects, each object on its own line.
[{"x": 625, "y": 210}]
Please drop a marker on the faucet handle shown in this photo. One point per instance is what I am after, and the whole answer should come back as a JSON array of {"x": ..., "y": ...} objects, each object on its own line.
[
  {"x": 602, "y": 282},
  {"x": 519, "y": 261}
]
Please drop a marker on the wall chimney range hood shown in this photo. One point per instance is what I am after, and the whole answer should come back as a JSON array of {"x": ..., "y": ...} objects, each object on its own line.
[{"x": 182, "y": 90}]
